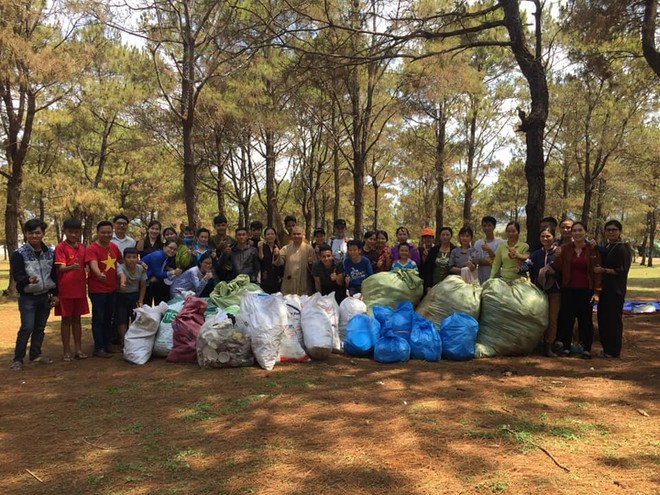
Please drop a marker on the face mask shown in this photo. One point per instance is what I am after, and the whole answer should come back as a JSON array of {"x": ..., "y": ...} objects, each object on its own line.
[{"x": 188, "y": 241}]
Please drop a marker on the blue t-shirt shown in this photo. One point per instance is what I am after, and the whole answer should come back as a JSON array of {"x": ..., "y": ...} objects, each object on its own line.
[{"x": 357, "y": 271}]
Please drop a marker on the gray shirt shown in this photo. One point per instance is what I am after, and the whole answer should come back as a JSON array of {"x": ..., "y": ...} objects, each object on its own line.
[
  {"x": 132, "y": 279},
  {"x": 481, "y": 257},
  {"x": 459, "y": 259}
]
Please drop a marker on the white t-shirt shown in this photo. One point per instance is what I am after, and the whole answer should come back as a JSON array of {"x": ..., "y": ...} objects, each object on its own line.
[{"x": 124, "y": 243}]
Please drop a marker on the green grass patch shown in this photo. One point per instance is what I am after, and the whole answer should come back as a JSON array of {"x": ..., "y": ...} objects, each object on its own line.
[
  {"x": 235, "y": 406},
  {"x": 200, "y": 411},
  {"x": 643, "y": 281}
]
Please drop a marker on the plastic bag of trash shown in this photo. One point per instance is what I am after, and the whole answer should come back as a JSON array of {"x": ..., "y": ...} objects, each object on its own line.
[
  {"x": 391, "y": 348},
  {"x": 186, "y": 326},
  {"x": 452, "y": 295},
  {"x": 320, "y": 321},
  {"x": 222, "y": 344},
  {"x": 425, "y": 340},
  {"x": 140, "y": 336},
  {"x": 163, "y": 343},
  {"x": 513, "y": 318},
  {"x": 265, "y": 318},
  {"x": 390, "y": 288},
  {"x": 348, "y": 308},
  {"x": 291, "y": 348},
  {"x": 458, "y": 334},
  {"x": 362, "y": 333},
  {"x": 228, "y": 293}
]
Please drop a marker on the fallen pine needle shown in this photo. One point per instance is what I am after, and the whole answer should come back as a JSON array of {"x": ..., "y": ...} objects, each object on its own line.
[
  {"x": 34, "y": 476},
  {"x": 545, "y": 451},
  {"x": 97, "y": 446}
]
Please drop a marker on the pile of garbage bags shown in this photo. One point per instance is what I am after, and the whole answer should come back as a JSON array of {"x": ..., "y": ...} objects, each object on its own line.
[{"x": 239, "y": 325}]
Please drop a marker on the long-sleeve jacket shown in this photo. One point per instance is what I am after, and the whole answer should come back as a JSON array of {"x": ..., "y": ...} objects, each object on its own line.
[
  {"x": 616, "y": 256},
  {"x": 157, "y": 264},
  {"x": 562, "y": 263},
  {"x": 243, "y": 260},
  {"x": 26, "y": 262}
]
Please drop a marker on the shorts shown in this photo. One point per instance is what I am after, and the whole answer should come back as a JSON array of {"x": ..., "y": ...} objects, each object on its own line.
[
  {"x": 125, "y": 303},
  {"x": 72, "y": 307}
]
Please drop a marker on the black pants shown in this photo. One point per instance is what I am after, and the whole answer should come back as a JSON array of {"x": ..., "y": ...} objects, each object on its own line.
[
  {"x": 610, "y": 323},
  {"x": 576, "y": 303}
]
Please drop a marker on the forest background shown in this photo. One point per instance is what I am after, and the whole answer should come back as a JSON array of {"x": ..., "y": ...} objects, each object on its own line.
[{"x": 418, "y": 113}]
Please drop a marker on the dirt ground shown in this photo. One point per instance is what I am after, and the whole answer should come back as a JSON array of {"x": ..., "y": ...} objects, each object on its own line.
[{"x": 341, "y": 426}]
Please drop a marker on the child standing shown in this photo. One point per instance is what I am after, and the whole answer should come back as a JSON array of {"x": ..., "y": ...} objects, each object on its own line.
[
  {"x": 102, "y": 257},
  {"x": 132, "y": 286},
  {"x": 71, "y": 282},
  {"x": 404, "y": 261},
  {"x": 356, "y": 267}
]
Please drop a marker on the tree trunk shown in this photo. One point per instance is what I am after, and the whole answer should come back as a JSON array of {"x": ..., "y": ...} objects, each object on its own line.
[
  {"x": 586, "y": 203},
  {"x": 645, "y": 239},
  {"x": 376, "y": 187},
  {"x": 533, "y": 125},
  {"x": 599, "y": 232},
  {"x": 440, "y": 143},
  {"x": 219, "y": 186},
  {"x": 11, "y": 219},
  {"x": 652, "y": 229},
  {"x": 471, "y": 150},
  {"x": 269, "y": 144},
  {"x": 649, "y": 49}
]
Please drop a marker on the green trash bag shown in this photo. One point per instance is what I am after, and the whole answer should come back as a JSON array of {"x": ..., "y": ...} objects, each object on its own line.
[
  {"x": 229, "y": 293},
  {"x": 452, "y": 295},
  {"x": 391, "y": 288},
  {"x": 514, "y": 316}
]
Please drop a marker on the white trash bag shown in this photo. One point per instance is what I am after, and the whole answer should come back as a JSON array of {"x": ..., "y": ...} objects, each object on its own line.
[
  {"x": 291, "y": 348},
  {"x": 164, "y": 337},
  {"x": 265, "y": 318},
  {"x": 140, "y": 336},
  {"x": 320, "y": 322}
]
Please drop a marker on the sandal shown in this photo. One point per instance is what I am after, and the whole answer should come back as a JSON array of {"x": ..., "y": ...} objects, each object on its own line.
[
  {"x": 16, "y": 366},
  {"x": 67, "y": 357},
  {"x": 565, "y": 353},
  {"x": 80, "y": 355},
  {"x": 42, "y": 360},
  {"x": 586, "y": 355}
]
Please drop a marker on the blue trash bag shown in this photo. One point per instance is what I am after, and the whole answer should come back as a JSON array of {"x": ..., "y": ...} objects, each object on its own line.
[
  {"x": 402, "y": 318},
  {"x": 391, "y": 348},
  {"x": 425, "y": 340},
  {"x": 362, "y": 332},
  {"x": 382, "y": 314},
  {"x": 458, "y": 333}
]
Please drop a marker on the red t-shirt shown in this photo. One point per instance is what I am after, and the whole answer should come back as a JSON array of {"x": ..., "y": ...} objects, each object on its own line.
[
  {"x": 579, "y": 267},
  {"x": 107, "y": 258},
  {"x": 71, "y": 284}
]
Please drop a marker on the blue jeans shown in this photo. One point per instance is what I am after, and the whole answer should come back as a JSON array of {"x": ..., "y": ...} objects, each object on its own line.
[
  {"x": 103, "y": 307},
  {"x": 34, "y": 312}
]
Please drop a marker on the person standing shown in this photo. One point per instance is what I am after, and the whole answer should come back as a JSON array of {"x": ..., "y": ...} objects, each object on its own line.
[
  {"x": 72, "y": 287},
  {"x": 402, "y": 235},
  {"x": 339, "y": 241},
  {"x": 509, "y": 254},
  {"x": 436, "y": 266},
  {"x": 297, "y": 258},
  {"x": 33, "y": 270},
  {"x": 463, "y": 256},
  {"x": 580, "y": 289},
  {"x": 243, "y": 258},
  {"x": 616, "y": 258},
  {"x": 271, "y": 275},
  {"x": 485, "y": 248},
  {"x": 328, "y": 274},
  {"x": 151, "y": 241},
  {"x": 102, "y": 257},
  {"x": 119, "y": 237}
]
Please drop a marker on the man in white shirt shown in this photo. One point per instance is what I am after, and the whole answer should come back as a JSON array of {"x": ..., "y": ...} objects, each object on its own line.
[
  {"x": 485, "y": 248},
  {"x": 119, "y": 237}
]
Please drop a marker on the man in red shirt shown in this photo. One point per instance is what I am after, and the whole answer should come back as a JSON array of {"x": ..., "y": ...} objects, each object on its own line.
[
  {"x": 71, "y": 281},
  {"x": 102, "y": 257}
]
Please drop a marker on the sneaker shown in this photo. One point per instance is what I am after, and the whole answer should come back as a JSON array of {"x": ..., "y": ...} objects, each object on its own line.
[
  {"x": 603, "y": 354},
  {"x": 16, "y": 366},
  {"x": 102, "y": 354}
]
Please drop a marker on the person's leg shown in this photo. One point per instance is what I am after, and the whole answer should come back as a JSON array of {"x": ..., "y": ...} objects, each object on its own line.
[
  {"x": 26, "y": 308},
  {"x": 65, "y": 333},
  {"x": 42, "y": 311},
  {"x": 98, "y": 319},
  {"x": 566, "y": 319},
  {"x": 108, "y": 330},
  {"x": 610, "y": 323},
  {"x": 585, "y": 322},
  {"x": 554, "y": 301},
  {"x": 76, "y": 330}
]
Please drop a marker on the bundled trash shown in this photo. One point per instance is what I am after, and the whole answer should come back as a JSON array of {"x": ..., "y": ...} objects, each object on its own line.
[
  {"x": 452, "y": 295},
  {"x": 425, "y": 343},
  {"x": 391, "y": 288},
  {"x": 291, "y": 348},
  {"x": 391, "y": 348},
  {"x": 222, "y": 344},
  {"x": 513, "y": 318},
  {"x": 320, "y": 322},
  {"x": 140, "y": 336},
  {"x": 362, "y": 333},
  {"x": 228, "y": 293},
  {"x": 265, "y": 318},
  {"x": 186, "y": 326},
  {"x": 348, "y": 308},
  {"x": 458, "y": 334},
  {"x": 163, "y": 342}
]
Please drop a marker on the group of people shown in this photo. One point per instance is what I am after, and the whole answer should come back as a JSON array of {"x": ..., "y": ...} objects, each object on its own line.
[{"x": 119, "y": 274}]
